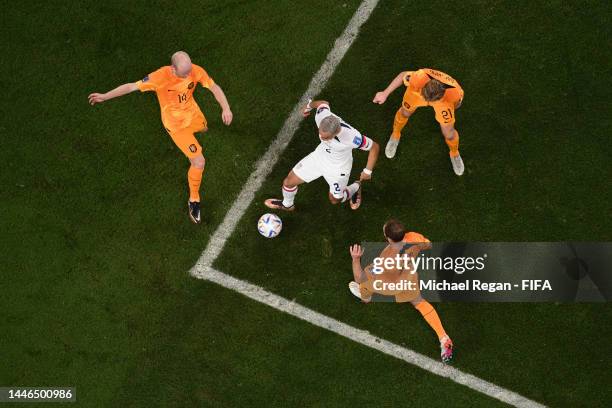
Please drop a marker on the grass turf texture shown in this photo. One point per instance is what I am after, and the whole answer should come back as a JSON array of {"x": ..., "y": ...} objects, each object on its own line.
[
  {"x": 96, "y": 240},
  {"x": 537, "y": 169}
]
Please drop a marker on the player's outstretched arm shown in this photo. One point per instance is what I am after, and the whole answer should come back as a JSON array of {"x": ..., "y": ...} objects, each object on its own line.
[
  {"x": 382, "y": 96},
  {"x": 313, "y": 105},
  {"x": 226, "y": 112},
  {"x": 118, "y": 91},
  {"x": 366, "y": 174},
  {"x": 356, "y": 252}
]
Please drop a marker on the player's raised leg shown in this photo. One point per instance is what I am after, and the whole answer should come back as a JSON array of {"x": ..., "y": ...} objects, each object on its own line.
[
  {"x": 289, "y": 190},
  {"x": 351, "y": 192},
  {"x": 431, "y": 317},
  {"x": 355, "y": 202},
  {"x": 339, "y": 192},
  {"x": 366, "y": 174}
]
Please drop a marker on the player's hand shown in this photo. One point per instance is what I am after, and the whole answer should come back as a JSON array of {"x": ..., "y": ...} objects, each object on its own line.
[
  {"x": 96, "y": 98},
  {"x": 364, "y": 176},
  {"x": 356, "y": 251},
  {"x": 227, "y": 116},
  {"x": 306, "y": 111},
  {"x": 380, "y": 98}
]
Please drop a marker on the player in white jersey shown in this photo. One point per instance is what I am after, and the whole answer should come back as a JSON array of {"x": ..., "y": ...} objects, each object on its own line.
[{"x": 332, "y": 160}]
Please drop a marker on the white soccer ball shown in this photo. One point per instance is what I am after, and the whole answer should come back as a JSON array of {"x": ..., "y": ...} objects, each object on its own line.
[{"x": 269, "y": 225}]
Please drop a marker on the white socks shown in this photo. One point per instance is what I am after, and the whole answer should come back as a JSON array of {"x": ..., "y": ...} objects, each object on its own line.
[
  {"x": 349, "y": 191},
  {"x": 289, "y": 195}
]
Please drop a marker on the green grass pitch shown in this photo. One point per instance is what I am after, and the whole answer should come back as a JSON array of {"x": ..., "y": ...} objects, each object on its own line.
[{"x": 96, "y": 242}]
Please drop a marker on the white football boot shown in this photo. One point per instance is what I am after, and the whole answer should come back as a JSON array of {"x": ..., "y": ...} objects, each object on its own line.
[
  {"x": 277, "y": 204},
  {"x": 458, "y": 166},
  {"x": 354, "y": 288},
  {"x": 391, "y": 147}
]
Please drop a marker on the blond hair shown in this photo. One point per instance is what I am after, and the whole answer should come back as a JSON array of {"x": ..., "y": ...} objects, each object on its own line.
[{"x": 433, "y": 90}]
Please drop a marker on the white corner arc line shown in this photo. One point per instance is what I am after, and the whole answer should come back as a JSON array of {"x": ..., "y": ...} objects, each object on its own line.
[
  {"x": 364, "y": 337},
  {"x": 203, "y": 267}
]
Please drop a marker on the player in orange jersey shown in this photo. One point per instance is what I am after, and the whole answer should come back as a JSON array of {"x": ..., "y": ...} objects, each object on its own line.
[
  {"x": 426, "y": 87},
  {"x": 180, "y": 114},
  {"x": 385, "y": 280}
]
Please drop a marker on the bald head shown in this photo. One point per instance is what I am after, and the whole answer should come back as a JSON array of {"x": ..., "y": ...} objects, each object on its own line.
[{"x": 181, "y": 63}]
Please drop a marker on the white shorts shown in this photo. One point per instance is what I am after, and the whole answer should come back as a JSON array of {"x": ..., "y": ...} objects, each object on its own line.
[{"x": 311, "y": 168}]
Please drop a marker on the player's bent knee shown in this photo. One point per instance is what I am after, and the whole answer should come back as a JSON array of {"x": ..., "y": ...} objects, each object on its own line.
[
  {"x": 448, "y": 131},
  {"x": 292, "y": 180},
  {"x": 406, "y": 113},
  {"x": 198, "y": 162},
  {"x": 288, "y": 182}
]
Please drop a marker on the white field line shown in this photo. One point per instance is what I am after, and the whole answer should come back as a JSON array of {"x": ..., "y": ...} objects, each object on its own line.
[
  {"x": 203, "y": 267},
  {"x": 261, "y": 295}
]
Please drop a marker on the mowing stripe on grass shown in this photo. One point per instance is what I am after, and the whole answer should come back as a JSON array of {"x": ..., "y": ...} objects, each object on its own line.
[
  {"x": 261, "y": 295},
  {"x": 203, "y": 267}
]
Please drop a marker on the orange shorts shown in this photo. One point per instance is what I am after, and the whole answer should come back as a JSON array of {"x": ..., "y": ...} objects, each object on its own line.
[
  {"x": 445, "y": 111},
  {"x": 183, "y": 135}
]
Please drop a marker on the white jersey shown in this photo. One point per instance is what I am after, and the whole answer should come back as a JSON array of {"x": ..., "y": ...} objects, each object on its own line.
[{"x": 338, "y": 151}]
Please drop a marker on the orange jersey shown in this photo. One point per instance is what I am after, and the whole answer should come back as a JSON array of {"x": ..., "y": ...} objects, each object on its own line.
[
  {"x": 416, "y": 80},
  {"x": 175, "y": 94},
  {"x": 414, "y": 238},
  {"x": 444, "y": 107}
]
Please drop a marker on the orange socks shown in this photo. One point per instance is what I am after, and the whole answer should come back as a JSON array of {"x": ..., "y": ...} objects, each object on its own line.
[
  {"x": 431, "y": 317},
  {"x": 398, "y": 124},
  {"x": 453, "y": 145},
  {"x": 194, "y": 177}
]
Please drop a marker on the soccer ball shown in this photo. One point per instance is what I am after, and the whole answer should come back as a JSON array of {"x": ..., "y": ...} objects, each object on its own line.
[{"x": 269, "y": 225}]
